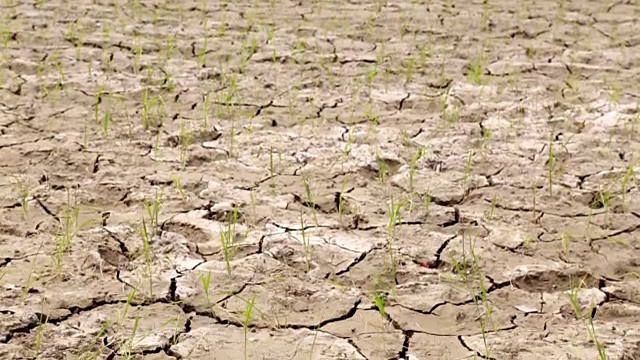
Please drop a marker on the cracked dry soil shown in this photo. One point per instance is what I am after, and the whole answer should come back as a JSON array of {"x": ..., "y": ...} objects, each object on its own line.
[{"x": 527, "y": 120}]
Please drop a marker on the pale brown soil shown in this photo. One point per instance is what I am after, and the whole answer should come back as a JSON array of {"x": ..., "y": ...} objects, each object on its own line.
[{"x": 487, "y": 208}]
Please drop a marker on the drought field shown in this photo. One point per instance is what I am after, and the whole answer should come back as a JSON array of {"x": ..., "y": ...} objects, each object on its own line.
[{"x": 319, "y": 180}]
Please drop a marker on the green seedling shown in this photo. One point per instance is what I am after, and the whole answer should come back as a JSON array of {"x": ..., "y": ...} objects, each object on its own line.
[
  {"x": 272, "y": 173},
  {"x": 573, "y": 297},
  {"x": 629, "y": 174},
  {"x": 6, "y": 35},
  {"x": 87, "y": 354},
  {"x": 534, "y": 190},
  {"x": 426, "y": 199},
  {"x": 205, "y": 44},
  {"x": 341, "y": 199},
  {"x": 493, "y": 208},
  {"x": 69, "y": 219},
  {"x": 146, "y": 249},
  {"x": 347, "y": 148},
  {"x": 468, "y": 169},
  {"x": 170, "y": 48},
  {"x": 252, "y": 197},
  {"x": 178, "y": 185},
  {"x": 487, "y": 311},
  {"x": 126, "y": 351},
  {"x": 306, "y": 244},
  {"x": 127, "y": 306},
  {"x": 205, "y": 110},
  {"x": 232, "y": 134},
  {"x": 310, "y": 200},
  {"x": 313, "y": 345},
  {"x": 371, "y": 75},
  {"x": 414, "y": 165},
  {"x": 410, "y": 68},
  {"x": 106, "y": 121},
  {"x": 58, "y": 64},
  {"x": 30, "y": 278},
  {"x": 380, "y": 299},
  {"x": 405, "y": 140},
  {"x": 550, "y": 164},
  {"x": 153, "y": 212},
  {"x": 565, "y": 241},
  {"x": 185, "y": 142},
  {"x": 424, "y": 54},
  {"x": 383, "y": 169},
  {"x": 395, "y": 220},
  {"x": 476, "y": 71},
  {"x": 605, "y": 198},
  {"x": 371, "y": 116},
  {"x": 146, "y": 109},
  {"x": 485, "y": 16},
  {"x": 206, "y": 283},
  {"x": 42, "y": 322},
  {"x": 245, "y": 325},
  {"x": 137, "y": 56},
  {"x": 227, "y": 239},
  {"x": 25, "y": 194},
  {"x": 468, "y": 271}
]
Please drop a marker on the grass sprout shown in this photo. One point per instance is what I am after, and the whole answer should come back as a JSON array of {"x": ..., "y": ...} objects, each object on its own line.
[{"x": 228, "y": 238}]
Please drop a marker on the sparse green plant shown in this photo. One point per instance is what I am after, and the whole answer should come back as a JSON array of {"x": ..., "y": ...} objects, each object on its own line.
[
  {"x": 42, "y": 323},
  {"x": 153, "y": 212},
  {"x": 185, "y": 142},
  {"x": 69, "y": 220},
  {"x": 58, "y": 65},
  {"x": 127, "y": 305},
  {"x": 232, "y": 136},
  {"x": 493, "y": 208},
  {"x": 146, "y": 109},
  {"x": 347, "y": 148},
  {"x": 383, "y": 169},
  {"x": 573, "y": 297},
  {"x": 565, "y": 241},
  {"x": 371, "y": 75},
  {"x": 24, "y": 192},
  {"x": 206, "y": 283},
  {"x": 306, "y": 244},
  {"x": 341, "y": 198},
  {"x": 468, "y": 169},
  {"x": 178, "y": 185},
  {"x": 205, "y": 43},
  {"x": 252, "y": 197},
  {"x": 476, "y": 71},
  {"x": 106, "y": 121},
  {"x": 467, "y": 268},
  {"x": 228, "y": 238},
  {"x": 248, "y": 313},
  {"x": 205, "y": 110},
  {"x": 410, "y": 68},
  {"x": 127, "y": 348},
  {"x": 550, "y": 164},
  {"x": 6, "y": 35},
  {"x": 426, "y": 199},
  {"x": 628, "y": 175},
  {"x": 272, "y": 172},
  {"x": 87, "y": 354},
  {"x": 413, "y": 167},
  {"x": 380, "y": 299},
  {"x": 146, "y": 250},
  {"x": 395, "y": 221},
  {"x": 310, "y": 199}
]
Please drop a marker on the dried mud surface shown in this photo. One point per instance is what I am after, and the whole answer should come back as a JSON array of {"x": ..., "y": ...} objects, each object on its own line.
[{"x": 525, "y": 111}]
